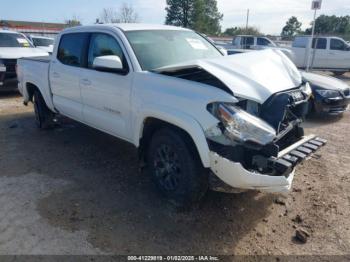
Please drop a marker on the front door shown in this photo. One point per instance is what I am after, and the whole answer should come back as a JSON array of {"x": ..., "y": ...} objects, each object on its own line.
[
  {"x": 339, "y": 54},
  {"x": 319, "y": 53},
  {"x": 106, "y": 95}
]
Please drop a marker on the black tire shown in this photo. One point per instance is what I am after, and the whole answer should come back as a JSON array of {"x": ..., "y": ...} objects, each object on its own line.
[
  {"x": 176, "y": 168},
  {"x": 43, "y": 115},
  {"x": 338, "y": 73}
]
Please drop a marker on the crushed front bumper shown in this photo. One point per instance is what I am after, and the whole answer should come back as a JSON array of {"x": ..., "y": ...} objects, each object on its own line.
[{"x": 236, "y": 176}]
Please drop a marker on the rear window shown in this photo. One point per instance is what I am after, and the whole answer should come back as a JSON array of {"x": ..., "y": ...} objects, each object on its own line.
[
  {"x": 71, "y": 49},
  {"x": 13, "y": 40},
  {"x": 319, "y": 43},
  {"x": 300, "y": 42},
  {"x": 42, "y": 41}
]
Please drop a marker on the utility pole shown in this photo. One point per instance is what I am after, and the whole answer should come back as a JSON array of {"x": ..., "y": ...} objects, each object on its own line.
[
  {"x": 316, "y": 5},
  {"x": 247, "y": 23}
]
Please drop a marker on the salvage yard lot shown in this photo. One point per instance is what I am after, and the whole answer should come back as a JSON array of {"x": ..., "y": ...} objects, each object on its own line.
[{"x": 75, "y": 190}]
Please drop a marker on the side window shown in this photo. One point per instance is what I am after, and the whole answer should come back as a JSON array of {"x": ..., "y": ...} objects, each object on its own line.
[
  {"x": 263, "y": 41},
  {"x": 247, "y": 42},
  {"x": 337, "y": 44},
  {"x": 71, "y": 48},
  {"x": 300, "y": 42},
  {"x": 104, "y": 45},
  {"x": 319, "y": 43}
]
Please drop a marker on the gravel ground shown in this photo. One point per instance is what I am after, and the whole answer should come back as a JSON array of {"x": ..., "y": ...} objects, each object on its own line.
[{"x": 75, "y": 190}]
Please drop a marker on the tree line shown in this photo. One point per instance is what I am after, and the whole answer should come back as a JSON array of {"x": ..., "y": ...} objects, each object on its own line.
[
  {"x": 203, "y": 16},
  {"x": 325, "y": 25}
]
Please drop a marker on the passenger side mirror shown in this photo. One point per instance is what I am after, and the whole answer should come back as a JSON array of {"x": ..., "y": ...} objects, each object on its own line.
[{"x": 108, "y": 63}]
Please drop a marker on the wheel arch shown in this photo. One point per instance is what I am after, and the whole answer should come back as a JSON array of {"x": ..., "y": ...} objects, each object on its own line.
[
  {"x": 187, "y": 125},
  {"x": 28, "y": 92}
]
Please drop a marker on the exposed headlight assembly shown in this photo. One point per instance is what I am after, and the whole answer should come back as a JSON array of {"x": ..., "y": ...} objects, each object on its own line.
[
  {"x": 328, "y": 93},
  {"x": 241, "y": 126},
  {"x": 306, "y": 89}
]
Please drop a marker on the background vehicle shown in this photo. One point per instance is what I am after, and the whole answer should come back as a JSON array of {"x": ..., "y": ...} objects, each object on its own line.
[
  {"x": 328, "y": 53},
  {"x": 249, "y": 42},
  {"x": 13, "y": 46},
  {"x": 330, "y": 95},
  {"x": 45, "y": 43},
  {"x": 199, "y": 119}
]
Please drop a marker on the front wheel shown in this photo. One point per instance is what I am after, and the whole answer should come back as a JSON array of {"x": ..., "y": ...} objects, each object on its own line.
[
  {"x": 43, "y": 115},
  {"x": 175, "y": 166}
]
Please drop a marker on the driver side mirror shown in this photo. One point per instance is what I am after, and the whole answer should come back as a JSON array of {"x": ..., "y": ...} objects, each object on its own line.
[{"x": 108, "y": 63}]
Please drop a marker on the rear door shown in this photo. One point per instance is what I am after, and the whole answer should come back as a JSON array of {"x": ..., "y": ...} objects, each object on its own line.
[
  {"x": 65, "y": 74},
  {"x": 319, "y": 58},
  {"x": 106, "y": 95},
  {"x": 247, "y": 42}
]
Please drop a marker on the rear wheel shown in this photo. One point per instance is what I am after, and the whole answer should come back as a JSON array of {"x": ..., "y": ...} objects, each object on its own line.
[
  {"x": 176, "y": 168},
  {"x": 43, "y": 115}
]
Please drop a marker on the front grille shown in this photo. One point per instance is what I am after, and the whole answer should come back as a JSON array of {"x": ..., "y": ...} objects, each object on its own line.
[
  {"x": 10, "y": 65},
  {"x": 283, "y": 108}
]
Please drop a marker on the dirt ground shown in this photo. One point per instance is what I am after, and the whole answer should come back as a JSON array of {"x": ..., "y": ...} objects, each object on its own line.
[{"x": 74, "y": 190}]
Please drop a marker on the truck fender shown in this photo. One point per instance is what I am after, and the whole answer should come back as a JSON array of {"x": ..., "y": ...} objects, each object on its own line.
[
  {"x": 177, "y": 118},
  {"x": 45, "y": 92}
]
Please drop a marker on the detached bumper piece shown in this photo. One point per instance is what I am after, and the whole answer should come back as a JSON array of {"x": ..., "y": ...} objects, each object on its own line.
[
  {"x": 296, "y": 153},
  {"x": 233, "y": 174}
]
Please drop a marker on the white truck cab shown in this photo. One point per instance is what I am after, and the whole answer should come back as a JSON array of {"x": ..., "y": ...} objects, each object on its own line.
[
  {"x": 199, "y": 119},
  {"x": 252, "y": 42}
]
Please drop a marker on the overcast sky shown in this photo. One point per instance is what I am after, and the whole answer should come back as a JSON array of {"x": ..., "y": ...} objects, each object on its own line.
[{"x": 268, "y": 15}]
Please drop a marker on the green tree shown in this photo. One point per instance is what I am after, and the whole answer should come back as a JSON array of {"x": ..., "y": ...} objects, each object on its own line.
[
  {"x": 251, "y": 30},
  {"x": 325, "y": 24},
  {"x": 200, "y": 15},
  {"x": 207, "y": 17},
  {"x": 292, "y": 27},
  {"x": 74, "y": 21},
  {"x": 180, "y": 13}
]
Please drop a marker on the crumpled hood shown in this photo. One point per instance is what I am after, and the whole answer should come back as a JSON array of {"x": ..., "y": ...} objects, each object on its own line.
[
  {"x": 325, "y": 82},
  {"x": 18, "y": 52},
  {"x": 254, "y": 75}
]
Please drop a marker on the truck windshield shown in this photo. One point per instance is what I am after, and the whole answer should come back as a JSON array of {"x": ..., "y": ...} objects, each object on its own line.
[
  {"x": 13, "y": 40},
  {"x": 42, "y": 41},
  {"x": 158, "y": 48}
]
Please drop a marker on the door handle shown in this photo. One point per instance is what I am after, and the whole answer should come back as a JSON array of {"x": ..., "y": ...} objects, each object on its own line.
[
  {"x": 86, "y": 82},
  {"x": 55, "y": 75}
]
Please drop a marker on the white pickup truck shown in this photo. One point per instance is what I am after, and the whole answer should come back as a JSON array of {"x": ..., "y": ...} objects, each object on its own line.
[
  {"x": 327, "y": 53},
  {"x": 199, "y": 119}
]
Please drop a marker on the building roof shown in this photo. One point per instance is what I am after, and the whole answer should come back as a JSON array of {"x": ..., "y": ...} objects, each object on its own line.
[{"x": 32, "y": 25}]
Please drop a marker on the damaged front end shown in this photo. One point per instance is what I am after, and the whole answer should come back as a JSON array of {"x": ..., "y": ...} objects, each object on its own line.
[{"x": 257, "y": 146}]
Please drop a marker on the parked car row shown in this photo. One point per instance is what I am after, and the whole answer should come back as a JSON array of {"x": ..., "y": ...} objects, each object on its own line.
[
  {"x": 327, "y": 53},
  {"x": 14, "y": 45}
]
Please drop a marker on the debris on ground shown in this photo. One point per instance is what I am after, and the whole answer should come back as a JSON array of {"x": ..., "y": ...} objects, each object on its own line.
[{"x": 302, "y": 235}]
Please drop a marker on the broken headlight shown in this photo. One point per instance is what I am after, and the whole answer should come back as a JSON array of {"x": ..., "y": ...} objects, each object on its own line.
[{"x": 241, "y": 126}]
